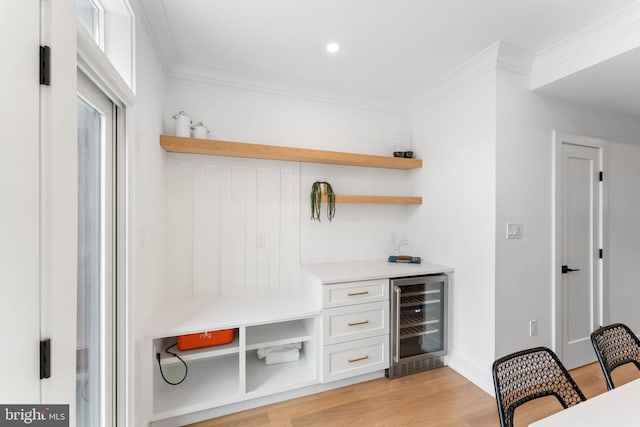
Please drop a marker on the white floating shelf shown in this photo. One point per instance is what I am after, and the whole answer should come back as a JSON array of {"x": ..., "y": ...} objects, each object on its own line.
[{"x": 280, "y": 333}]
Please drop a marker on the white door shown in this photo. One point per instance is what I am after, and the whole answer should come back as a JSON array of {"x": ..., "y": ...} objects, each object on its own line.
[
  {"x": 38, "y": 195},
  {"x": 19, "y": 202},
  {"x": 580, "y": 284}
]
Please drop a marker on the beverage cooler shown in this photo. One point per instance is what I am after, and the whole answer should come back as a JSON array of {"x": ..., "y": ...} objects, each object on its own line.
[{"x": 418, "y": 324}]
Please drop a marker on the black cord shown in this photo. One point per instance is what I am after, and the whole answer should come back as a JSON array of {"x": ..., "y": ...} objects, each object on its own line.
[{"x": 186, "y": 368}]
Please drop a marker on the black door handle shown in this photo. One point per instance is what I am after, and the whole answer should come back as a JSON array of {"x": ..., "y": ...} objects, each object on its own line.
[{"x": 566, "y": 269}]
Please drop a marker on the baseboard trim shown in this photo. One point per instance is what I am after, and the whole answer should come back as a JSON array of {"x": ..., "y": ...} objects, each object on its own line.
[
  {"x": 475, "y": 373},
  {"x": 261, "y": 401}
]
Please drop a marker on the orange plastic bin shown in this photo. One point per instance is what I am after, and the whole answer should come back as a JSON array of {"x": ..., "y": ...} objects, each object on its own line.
[{"x": 205, "y": 339}]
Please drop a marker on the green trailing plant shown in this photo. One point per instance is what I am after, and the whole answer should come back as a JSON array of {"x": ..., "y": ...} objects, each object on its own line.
[{"x": 317, "y": 190}]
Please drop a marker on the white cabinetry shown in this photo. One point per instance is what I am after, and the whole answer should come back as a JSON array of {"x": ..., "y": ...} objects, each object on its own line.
[
  {"x": 355, "y": 312},
  {"x": 355, "y": 328},
  {"x": 263, "y": 379},
  {"x": 358, "y": 292},
  {"x": 353, "y": 322},
  {"x": 352, "y": 358},
  {"x": 231, "y": 373}
]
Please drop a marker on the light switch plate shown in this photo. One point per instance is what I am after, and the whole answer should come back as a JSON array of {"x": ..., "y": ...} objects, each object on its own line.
[{"x": 514, "y": 231}]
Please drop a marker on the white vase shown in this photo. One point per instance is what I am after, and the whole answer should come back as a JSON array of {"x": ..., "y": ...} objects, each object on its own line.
[
  {"x": 183, "y": 124},
  {"x": 200, "y": 131}
]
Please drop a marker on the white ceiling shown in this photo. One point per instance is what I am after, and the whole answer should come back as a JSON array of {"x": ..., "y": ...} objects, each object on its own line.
[
  {"x": 613, "y": 84},
  {"x": 392, "y": 51}
]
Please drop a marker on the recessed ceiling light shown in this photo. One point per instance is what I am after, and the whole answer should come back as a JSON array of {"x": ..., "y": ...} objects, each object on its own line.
[{"x": 333, "y": 47}]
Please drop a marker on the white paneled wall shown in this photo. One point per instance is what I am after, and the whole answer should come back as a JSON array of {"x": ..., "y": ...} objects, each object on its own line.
[
  {"x": 233, "y": 225},
  {"x": 358, "y": 231}
]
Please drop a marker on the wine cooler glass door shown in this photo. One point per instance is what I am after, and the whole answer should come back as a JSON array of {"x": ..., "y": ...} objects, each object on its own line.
[
  {"x": 418, "y": 324},
  {"x": 419, "y": 317}
]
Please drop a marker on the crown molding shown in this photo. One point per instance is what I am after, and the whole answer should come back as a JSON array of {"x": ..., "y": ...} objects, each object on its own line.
[
  {"x": 163, "y": 42},
  {"x": 498, "y": 56},
  {"x": 514, "y": 59},
  {"x": 605, "y": 39},
  {"x": 158, "y": 37},
  {"x": 470, "y": 70},
  {"x": 201, "y": 73}
]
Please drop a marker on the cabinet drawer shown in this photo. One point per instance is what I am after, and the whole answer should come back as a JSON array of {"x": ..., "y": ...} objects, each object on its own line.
[
  {"x": 340, "y": 294},
  {"x": 355, "y": 322},
  {"x": 355, "y": 358}
]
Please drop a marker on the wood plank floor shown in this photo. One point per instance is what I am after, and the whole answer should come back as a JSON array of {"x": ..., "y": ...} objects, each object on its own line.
[{"x": 439, "y": 398}]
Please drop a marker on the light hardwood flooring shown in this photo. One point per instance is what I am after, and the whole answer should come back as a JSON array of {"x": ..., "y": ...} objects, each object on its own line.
[{"x": 436, "y": 398}]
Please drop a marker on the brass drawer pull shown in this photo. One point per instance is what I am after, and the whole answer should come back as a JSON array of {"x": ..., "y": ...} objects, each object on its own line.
[
  {"x": 353, "y": 294},
  {"x": 357, "y": 359},
  {"x": 364, "y": 322}
]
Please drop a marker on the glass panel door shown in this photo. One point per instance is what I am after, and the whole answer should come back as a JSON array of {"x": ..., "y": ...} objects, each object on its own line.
[
  {"x": 96, "y": 286},
  {"x": 421, "y": 315}
]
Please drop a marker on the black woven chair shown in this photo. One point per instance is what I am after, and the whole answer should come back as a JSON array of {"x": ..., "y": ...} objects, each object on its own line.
[
  {"x": 615, "y": 345},
  {"x": 529, "y": 374}
]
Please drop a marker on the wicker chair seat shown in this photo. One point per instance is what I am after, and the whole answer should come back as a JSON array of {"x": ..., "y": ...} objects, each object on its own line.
[
  {"x": 530, "y": 374},
  {"x": 615, "y": 345}
]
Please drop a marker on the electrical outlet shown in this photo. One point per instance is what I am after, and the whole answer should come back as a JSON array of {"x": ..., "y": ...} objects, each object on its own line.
[{"x": 533, "y": 328}]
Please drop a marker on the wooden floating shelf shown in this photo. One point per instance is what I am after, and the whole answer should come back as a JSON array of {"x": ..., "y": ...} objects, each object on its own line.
[
  {"x": 378, "y": 200},
  {"x": 177, "y": 144}
]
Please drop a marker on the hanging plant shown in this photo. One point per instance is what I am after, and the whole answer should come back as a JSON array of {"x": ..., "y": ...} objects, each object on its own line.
[{"x": 317, "y": 190}]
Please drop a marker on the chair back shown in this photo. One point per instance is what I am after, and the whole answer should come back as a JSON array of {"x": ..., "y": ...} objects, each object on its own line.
[
  {"x": 615, "y": 345},
  {"x": 529, "y": 374}
]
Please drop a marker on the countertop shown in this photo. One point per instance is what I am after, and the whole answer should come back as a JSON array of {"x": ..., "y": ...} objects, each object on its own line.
[
  {"x": 191, "y": 315},
  {"x": 336, "y": 272}
]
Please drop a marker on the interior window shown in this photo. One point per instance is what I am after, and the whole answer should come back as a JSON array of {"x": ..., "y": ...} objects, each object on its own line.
[
  {"x": 91, "y": 15},
  {"x": 111, "y": 25}
]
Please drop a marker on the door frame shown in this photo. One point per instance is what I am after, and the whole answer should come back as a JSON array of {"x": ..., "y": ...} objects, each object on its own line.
[
  {"x": 92, "y": 62},
  {"x": 95, "y": 97},
  {"x": 556, "y": 231}
]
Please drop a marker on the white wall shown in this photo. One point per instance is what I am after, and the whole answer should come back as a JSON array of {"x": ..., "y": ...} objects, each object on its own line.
[
  {"x": 487, "y": 150},
  {"x": 455, "y": 135},
  {"x": 523, "y": 188},
  {"x": 358, "y": 231},
  {"x": 524, "y": 167},
  {"x": 148, "y": 176},
  {"x": 624, "y": 233},
  {"x": 147, "y": 258}
]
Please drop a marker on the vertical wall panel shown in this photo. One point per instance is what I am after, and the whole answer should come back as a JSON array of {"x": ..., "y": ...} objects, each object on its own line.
[
  {"x": 268, "y": 198},
  {"x": 180, "y": 227},
  {"x": 233, "y": 225},
  {"x": 249, "y": 251},
  {"x": 206, "y": 230},
  {"x": 234, "y": 255},
  {"x": 214, "y": 182},
  {"x": 289, "y": 227},
  {"x": 199, "y": 231},
  {"x": 225, "y": 231}
]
